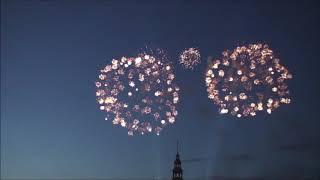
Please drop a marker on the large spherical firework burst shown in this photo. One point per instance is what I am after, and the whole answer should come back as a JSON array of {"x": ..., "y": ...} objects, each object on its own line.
[
  {"x": 247, "y": 80},
  {"x": 190, "y": 58},
  {"x": 138, "y": 93}
]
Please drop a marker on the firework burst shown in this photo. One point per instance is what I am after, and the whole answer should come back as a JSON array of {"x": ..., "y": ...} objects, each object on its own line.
[
  {"x": 190, "y": 58},
  {"x": 138, "y": 93},
  {"x": 247, "y": 80}
]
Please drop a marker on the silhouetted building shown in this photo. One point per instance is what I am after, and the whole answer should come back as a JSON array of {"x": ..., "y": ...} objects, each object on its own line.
[{"x": 177, "y": 170}]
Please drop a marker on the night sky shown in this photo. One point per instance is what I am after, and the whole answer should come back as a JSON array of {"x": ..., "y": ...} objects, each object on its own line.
[{"x": 51, "y": 125}]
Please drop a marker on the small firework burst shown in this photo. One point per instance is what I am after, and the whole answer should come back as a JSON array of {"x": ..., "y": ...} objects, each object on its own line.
[
  {"x": 247, "y": 80},
  {"x": 190, "y": 58},
  {"x": 138, "y": 93}
]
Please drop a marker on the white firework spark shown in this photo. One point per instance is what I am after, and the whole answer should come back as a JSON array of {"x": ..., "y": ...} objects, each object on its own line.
[
  {"x": 190, "y": 58},
  {"x": 138, "y": 93},
  {"x": 247, "y": 80}
]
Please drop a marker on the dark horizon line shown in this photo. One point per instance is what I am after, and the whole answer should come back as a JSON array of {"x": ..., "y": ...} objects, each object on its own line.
[{"x": 166, "y": 178}]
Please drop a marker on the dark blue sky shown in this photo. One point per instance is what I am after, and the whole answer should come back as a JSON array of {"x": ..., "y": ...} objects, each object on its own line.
[{"x": 51, "y": 52}]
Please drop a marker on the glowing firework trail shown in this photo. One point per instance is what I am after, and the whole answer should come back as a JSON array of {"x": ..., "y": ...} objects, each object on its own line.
[
  {"x": 246, "y": 80},
  {"x": 138, "y": 93},
  {"x": 190, "y": 58}
]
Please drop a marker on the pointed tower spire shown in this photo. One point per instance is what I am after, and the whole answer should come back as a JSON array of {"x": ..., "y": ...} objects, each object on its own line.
[{"x": 177, "y": 169}]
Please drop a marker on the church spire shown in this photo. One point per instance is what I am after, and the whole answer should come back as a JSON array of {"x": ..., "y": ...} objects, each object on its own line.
[{"x": 177, "y": 170}]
